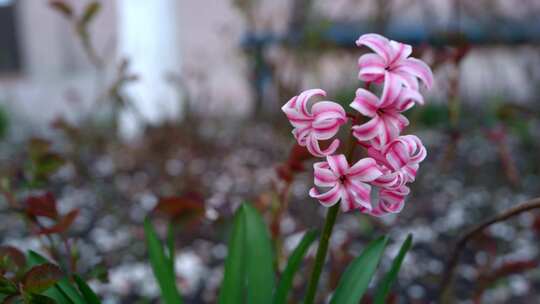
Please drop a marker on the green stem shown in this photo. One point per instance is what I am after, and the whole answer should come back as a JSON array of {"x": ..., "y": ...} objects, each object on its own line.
[
  {"x": 329, "y": 222},
  {"x": 331, "y": 216}
]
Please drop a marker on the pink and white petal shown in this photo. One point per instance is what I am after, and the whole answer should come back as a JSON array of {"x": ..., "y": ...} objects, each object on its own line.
[
  {"x": 325, "y": 129},
  {"x": 407, "y": 98},
  {"x": 378, "y": 44},
  {"x": 400, "y": 51},
  {"x": 314, "y": 147},
  {"x": 406, "y": 79},
  {"x": 361, "y": 193},
  {"x": 338, "y": 164},
  {"x": 372, "y": 73},
  {"x": 417, "y": 68},
  {"x": 393, "y": 201},
  {"x": 347, "y": 200},
  {"x": 400, "y": 120},
  {"x": 302, "y": 135},
  {"x": 330, "y": 108},
  {"x": 369, "y": 130},
  {"x": 410, "y": 171},
  {"x": 365, "y": 170},
  {"x": 388, "y": 180},
  {"x": 323, "y": 176},
  {"x": 371, "y": 60},
  {"x": 365, "y": 102},
  {"x": 371, "y": 77},
  {"x": 329, "y": 198},
  {"x": 397, "y": 156},
  {"x": 390, "y": 128},
  {"x": 303, "y": 98},
  {"x": 391, "y": 90}
]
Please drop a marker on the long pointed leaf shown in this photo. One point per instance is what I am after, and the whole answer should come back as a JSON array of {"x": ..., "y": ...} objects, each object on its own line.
[
  {"x": 63, "y": 291},
  {"x": 161, "y": 266},
  {"x": 259, "y": 258},
  {"x": 87, "y": 292},
  {"x": 354, "y": 282},
  {"x": 232, "y": 287},
  {"x": 285, "y": 284},
  {"x": 390, "y": 277}
]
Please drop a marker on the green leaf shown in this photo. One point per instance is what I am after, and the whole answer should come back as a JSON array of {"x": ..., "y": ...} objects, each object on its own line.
[
  {"x": 63, "y": 291},
  {"x": 170, "y": 245},
  {"x": 32, "y": 298},
  {"x": 161, "y": 266},
  {"x": 259, "y": 258},
  {"x": 280, "y": 297},
  {"x": 354, "y": 282},
  {"x": 390, "y": 277},
  {"x": 232, "y": 287},
  {"x": 41, "y": 277},
  {"x": 87, "y": 292},
  {"x": 6, "y": 286}
]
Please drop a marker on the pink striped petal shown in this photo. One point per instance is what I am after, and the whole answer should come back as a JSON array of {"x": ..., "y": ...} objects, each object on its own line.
[
  {"x": 329, "y": 198},
  {"x": 323, "y": 176},
  {"x": 365, "y": 102},
  {"x": 338, "y": 164},
  {"x": 400, "y": 51},
  {"x": 391, "y": 90},
  {"x": 314, "y": 148},
  {"x": 369, "y": 130},
  {"x": 361, "y": 194},
  {"x": 407, "y": 98},
  {"x": 408, "y": 80},
  {"x": 417, "y": 68},
  {"x": 365, "y": 170},
  {"x": 378, "y": 44}
]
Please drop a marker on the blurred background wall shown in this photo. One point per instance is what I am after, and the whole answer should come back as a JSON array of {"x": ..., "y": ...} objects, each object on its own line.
[{"x": 235, "y": 57}]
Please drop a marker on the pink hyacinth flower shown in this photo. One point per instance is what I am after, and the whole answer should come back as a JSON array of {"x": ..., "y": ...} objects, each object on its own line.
[
  {"x": 391, "y": 56},
  {"x": 390, "y": 201},
  {"x": 386, "y": 119},
  {"x": 400, "y": 159},
  {"x": 322, "y": 123},
  {"x": 346, "y": 183}
]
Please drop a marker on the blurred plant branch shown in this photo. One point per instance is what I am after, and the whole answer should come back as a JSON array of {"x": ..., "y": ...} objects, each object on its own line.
[{"x": 447, "y": 277}]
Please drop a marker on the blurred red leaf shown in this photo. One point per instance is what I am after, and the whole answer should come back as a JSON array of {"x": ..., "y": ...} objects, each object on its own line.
[
  {"x": 13, "y": 299},
  {"x": 297, "y": 156},
  {"x": 188, "y": 205},
  {"x": 40, "y": 278},
  {"x": 63, "y": 224},
  {"x": 11, "y": 256},
  {"x": 42, "y": 205},
  {"x": 62, "y": 7}
]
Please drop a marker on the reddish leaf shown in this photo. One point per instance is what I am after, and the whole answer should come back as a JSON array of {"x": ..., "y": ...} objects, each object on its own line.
[
  {"x": 90, "y": 12},
  {"x": 181, "y": 206},
  {"x": 38, "y": 146},
  {"x": 12, "y": 258},
  {"x": 42, "y": 205},
  {"x": 40, "y": 278},
  {"x": 13, "y": 299},
  {"x": 62, "y": 225},
  {"x": 62, "y": 7},
  {"x": 297, "y": 156}
]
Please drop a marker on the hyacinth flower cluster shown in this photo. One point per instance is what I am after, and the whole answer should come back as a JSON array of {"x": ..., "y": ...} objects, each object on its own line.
[{"x": 378, "y": 184}]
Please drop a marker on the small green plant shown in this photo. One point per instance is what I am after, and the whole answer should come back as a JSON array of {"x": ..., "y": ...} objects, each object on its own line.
[{"x": 250, "y": 276}]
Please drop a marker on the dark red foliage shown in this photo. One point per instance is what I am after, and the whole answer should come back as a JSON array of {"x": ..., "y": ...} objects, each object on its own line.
[
  {"x": 41, "y": 205},
  {"x": 62, "y": 225},
  {"x": 177, "y": 207}
]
